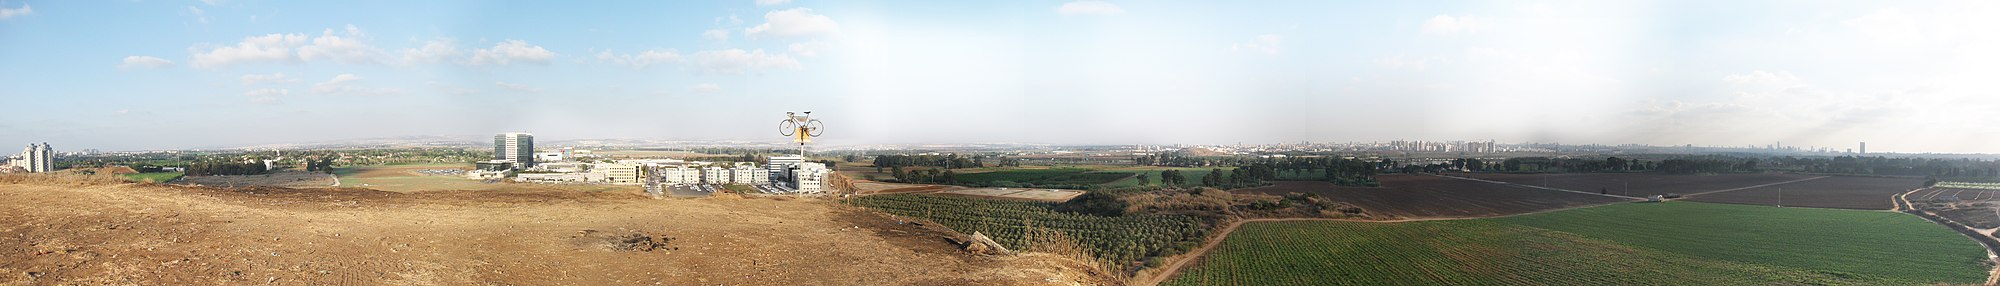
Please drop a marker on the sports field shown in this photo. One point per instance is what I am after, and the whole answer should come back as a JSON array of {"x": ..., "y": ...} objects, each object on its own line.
[
  {"x": 160, "y": 177},
  {"x": 1676, "y": 243},
  {"x": 404, "y": 178}
]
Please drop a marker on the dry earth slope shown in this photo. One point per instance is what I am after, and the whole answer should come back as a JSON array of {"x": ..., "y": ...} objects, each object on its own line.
[{"x": 171, "y": 235}]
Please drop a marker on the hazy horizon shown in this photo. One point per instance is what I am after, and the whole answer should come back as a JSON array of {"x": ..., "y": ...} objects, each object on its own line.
[{"x": 1904, "y": 76}]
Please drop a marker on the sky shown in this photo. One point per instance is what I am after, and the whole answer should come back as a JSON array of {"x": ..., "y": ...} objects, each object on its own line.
[{"x": 1905, "y": 76}]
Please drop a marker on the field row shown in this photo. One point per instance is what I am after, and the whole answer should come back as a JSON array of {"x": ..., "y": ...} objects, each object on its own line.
[
  {"x": 1625, "y": 244},
  {"x": 1424, "y": 196}
]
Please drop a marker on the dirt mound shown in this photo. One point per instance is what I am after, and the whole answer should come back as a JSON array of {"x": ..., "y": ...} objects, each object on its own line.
[{"x": 629, "y": 241}]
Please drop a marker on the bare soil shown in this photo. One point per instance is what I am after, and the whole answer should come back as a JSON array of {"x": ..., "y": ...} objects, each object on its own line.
[
  {"x": 1979, "y": 209},
  {"x": 1867, "y": 193},
  {"x": 1639, "y": 184},
  {"x": 1419, "y": 196},
  {"x": 176, "y": 235}
]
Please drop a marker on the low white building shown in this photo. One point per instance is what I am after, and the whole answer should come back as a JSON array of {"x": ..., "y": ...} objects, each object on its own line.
[
  {"x": 714, "y": 175},
  {"x": 748, "y": 174},
  {"x": 678, "y": 174},
  {"x": 562, "y": 167},
  {"x": 619, "y": 173},
  {"x": 487, "y": 174},
  {"x": 552, "y": 178},
  {"x": 547, "y": 157}
]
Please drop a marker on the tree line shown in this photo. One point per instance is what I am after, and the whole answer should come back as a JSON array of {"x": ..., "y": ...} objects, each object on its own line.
[
  {"x": 953, "y": 161},
  {"x": 225, "y": 168}
]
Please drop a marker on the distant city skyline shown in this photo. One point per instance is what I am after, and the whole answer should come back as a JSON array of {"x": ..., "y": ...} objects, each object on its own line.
[{"x": 1906, "y": 76}]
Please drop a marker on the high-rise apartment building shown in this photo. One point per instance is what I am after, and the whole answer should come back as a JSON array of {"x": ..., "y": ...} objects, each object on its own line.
[{"x": 36, "y": 158}]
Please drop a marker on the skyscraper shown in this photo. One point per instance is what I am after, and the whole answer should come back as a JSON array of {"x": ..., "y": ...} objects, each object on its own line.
[
  {"x": 1864, "y": 148},
  {"x": 515, "y": 147}
]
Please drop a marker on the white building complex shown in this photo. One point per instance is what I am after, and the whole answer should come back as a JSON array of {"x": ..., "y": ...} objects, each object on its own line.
[
  {"x": 749, "y": 174},
  {"x": 807, "y": 176},
  {"x": 795, "y": 172},
  {"x": 786, "y": 172},
  {"x": 35, "y": 158},
  {"x": 620, "y": 173}
]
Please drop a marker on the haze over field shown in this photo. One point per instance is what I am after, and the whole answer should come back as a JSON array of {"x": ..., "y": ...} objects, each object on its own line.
[{"x": 1905, "y": 76}]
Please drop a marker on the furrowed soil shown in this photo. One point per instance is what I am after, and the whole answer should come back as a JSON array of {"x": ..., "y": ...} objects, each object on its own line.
[
  {"x": 1420, "y": 196},
  {"x": 174, "y": 235},
  {"x": 1865, "y": 193},
  {"x": 1640, "y": 184}
]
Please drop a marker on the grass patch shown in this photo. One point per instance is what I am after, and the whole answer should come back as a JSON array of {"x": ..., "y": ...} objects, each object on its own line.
[
  {"x": 1885, "y": 244},
  {"x": 161, "y": 177},
  {"x": 1051, "y": 177},
  {"x": 1677, "y": 243}
]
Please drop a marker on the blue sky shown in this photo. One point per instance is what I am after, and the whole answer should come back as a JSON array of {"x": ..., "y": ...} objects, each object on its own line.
[{"x": 1911, "y": 76}]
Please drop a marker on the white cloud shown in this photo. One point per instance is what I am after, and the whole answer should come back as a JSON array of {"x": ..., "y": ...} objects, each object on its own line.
[
  {"x": 267, "y": 95},
  {"x": 1793, "y": 112},
  {"x": 1448, "y": 25},
  {"x": 134, "y": 62},
  {"x": 11, "y": 12},
  {"x": 511, "y": 51},
  {"x": 270, "y": 48},
  {"x": 806, "y": 49},
  {"x": 1268, "y": 44},
  {"x": 1887, "y": 25},
  {"x": 772, "y": 2},
  {"x": 716, "y": 34},
  {"x": 350, "y": 47},
  {"x": 337, "y": 84},
  {"x": 199, "y": 16},
  {"x": 641, "y": 60},
  {"x": 451, "y": 89},
  {"x": 1410, "y": 63},
  {"x": 433, "y": 51},
  {"x": 211, "y": 2},
  {"x": 795, "y": 22},
  {"x": 517, "y": 87},
  {"x": 1089, "y": 8},
  {"x": 349, "y": 84},
  {"x": 705, "y": 88},
  {"x": 274, "y": 78},
  {"x": 736, "y": 61},
  {"x": 347, "y": 49},
  {"x": 1780, "y": 79}
]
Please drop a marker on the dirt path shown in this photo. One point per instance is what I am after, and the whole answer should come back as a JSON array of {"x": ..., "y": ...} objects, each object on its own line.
[
  {"x": 1180, "y": 261},
  {"x": 1753, "y": 187},
  {"x": 1544, "y": 188}
]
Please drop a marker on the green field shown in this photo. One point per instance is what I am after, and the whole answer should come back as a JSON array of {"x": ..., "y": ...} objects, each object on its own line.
[
  {"x": 397, "y": 178},
  {"x": 153, "y": 177},
  {"x": 1678, "y": 243}
]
